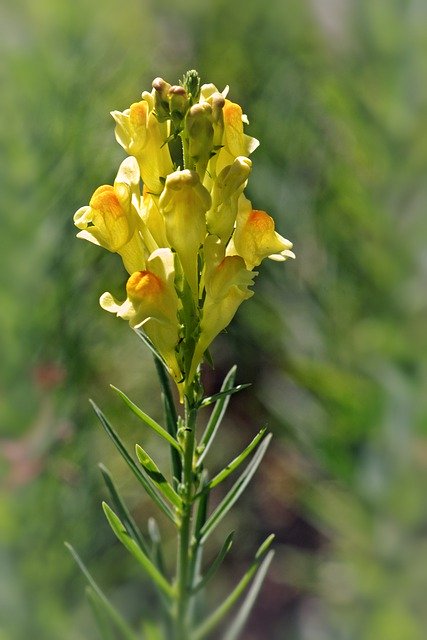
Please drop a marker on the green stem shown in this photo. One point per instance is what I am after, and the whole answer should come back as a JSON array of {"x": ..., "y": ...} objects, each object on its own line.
[{"x": 184, "y": 561}]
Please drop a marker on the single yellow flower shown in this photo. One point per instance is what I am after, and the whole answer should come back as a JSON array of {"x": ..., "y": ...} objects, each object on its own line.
[
  {"x": 226, "y": 191},
  {"x": 111, "y": 220},
  {"x": 235, "y": 141},
  {"x": 255, "y": 237},
  {"x": 226, "y": 281},
  {"x": 184, "y": 203},
  {"x": 152, "y": 304},
  {"x": 140, "y": 133}
]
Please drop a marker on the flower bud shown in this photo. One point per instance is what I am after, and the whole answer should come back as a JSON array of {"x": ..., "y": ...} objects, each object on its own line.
[
  {"x": 161, "y": 99},
  {"x": 191, "y": 82},
  {"x": 200, "y": 135},
  {"x": 178, "y": 104}
]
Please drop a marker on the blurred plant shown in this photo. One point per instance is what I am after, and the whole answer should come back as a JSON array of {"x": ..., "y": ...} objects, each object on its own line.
[{"x": 190, "y": 242}]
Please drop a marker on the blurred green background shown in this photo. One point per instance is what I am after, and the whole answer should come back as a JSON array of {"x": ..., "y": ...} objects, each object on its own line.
[{"x": 335, "y": 342}]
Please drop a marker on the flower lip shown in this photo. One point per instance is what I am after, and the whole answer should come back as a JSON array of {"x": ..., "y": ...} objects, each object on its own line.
[
  {"x": 142, "y": 285},
  {"x": 105, "y": 201},
  {"x": 138, "y": 113}
]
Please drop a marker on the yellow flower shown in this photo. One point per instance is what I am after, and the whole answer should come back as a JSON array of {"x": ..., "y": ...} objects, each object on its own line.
[
  {"x": 226, "y": 191},
  {"x": 226, "y": 280},
  {"x": 154, "y": 222},
  {"x": 235, "y": 141},
  {"x": 152, "y": 304},
  {"x": 184, "y": 203},
  {"x": 140, "y": 133},
  {"x": 111, "y": 220},
  {"x": 255, "y": 237}
]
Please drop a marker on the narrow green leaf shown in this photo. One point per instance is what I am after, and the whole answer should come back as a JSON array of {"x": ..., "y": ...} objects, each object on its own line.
[
  {"x": 216, "y": 563},
  {"x": 240, "y": 619},
  {"x": 156, "y": 544},
  {"x": 235, "y": 492},
  {"x": 222, "y": 394},
  {"x": 114, "y": 615},
  {"x": 216, "y": 416},
  {"x": 260, "y": 562},
  {"x": 234, "y": 464},
  {"x": 122, "y": 510},
  {"x": 152, "y": 491},
  {"x": 146, "y": 418},
  {"x": 157, "y": 477},
  {"x": 171, "y": 418},
  {"x": 202, "y": 507},
  {"x": 103, "y": 623},
  {"x": 136, "y": 551}
]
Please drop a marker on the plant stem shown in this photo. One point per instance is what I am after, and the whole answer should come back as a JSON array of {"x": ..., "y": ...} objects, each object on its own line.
[{"x": 184, "y": 562}]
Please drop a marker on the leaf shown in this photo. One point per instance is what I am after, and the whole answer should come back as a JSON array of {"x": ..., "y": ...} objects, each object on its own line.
[
  {"x": 108, "y": 608},
  {"x": 234, "y": 464},
  {"x": 240, "y": 619},
  {"x": 156, "y": 544},
  {"x": 136, "y": 551},
  {"x": 146, "y": 418},
  {"x": 216, "y": 563},
  {"x": 152, "y": 491},
  {"x": 222, "y": 394},
  {"x": 171, "y": 418},
  {"x": 235, "y": 492},
  {"x": 123, "y": 511},
  {"x": 154, "y": 473},
  {"x": 98, "y": 613},
  {"x": 259, "y": 564},
  {"x": 216, "y": 416}
]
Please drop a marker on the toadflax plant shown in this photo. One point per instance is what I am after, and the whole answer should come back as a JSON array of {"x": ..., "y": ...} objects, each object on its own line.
[{"x": 190, "y": 241}]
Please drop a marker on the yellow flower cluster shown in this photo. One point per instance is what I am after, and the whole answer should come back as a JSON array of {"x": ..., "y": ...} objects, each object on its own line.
[{"x": 178, "y": 217}]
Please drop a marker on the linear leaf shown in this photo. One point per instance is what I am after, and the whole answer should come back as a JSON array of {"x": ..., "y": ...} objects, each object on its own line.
[
  {"x": 222, "y": 394},
  {"x": 136, "y": 551},
  {"x": 157, "y": 477},
  {"x": 146, "y": 418},
  {"x": 104, "y": 625},
  {"x": 242, "y": 615},
  {"x": 215, "y": 618},
  {"x": 235, "y": 491},
  {"x": 171, "y": 418},
  {"x": 216, "y": 562},
  {"x": 216, "y": 415},
  {"x": 114, "y": 615},
  {"x": 122, "y": 510},
  {"x": 156, "y": 544},
  {"x": 152, "y": 491},
  {"x": 234, "y": 464}
]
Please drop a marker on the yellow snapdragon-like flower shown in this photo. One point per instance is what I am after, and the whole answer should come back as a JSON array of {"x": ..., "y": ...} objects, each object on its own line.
[
  {"x": 226, "y": 191},
  {"x": 152, "y": 303},
  {"x": 184, "y": 203},
  {"x": 140, "y": 133},
  {"x": 255, "y": 238},
  {"x": 226, "y": 282},
  {"x": 111, "y": 220}
]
